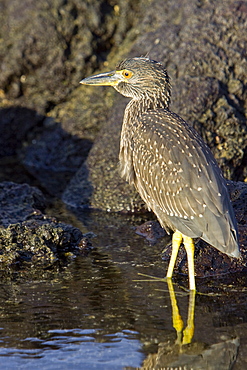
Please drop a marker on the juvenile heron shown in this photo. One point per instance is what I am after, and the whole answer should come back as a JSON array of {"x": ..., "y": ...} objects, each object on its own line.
[{"x": 169, "y": 164}]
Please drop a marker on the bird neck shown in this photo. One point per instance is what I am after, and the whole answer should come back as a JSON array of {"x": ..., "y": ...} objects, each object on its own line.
[
  {"x": 135, "y": 108},
  {"x": 140, "y": 105}
]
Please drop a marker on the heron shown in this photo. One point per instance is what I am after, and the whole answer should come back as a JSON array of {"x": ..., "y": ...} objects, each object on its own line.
[{"x": 169, "y": 164}]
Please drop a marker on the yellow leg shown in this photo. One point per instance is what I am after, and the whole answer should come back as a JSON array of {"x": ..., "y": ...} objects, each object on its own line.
[
  {"x": 189, "y": 245},
  {"x": 177, "y": 239},
  {"x": 190, "y": 249}
]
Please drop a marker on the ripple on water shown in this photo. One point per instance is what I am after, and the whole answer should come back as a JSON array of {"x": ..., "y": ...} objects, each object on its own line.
[{"x": 77, "y": 349}]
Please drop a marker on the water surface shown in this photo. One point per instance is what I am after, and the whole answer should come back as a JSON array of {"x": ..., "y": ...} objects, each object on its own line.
[{"x": 99, "y": 313}]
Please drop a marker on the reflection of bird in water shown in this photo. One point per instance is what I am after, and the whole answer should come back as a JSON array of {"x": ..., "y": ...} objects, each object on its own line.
[
  {"x": 184, "y": 336},
  {"x": 197, "y": 355},
  {"x": 169, "y": 164}
]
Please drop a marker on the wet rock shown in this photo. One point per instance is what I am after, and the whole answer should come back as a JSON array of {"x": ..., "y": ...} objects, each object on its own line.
[
  {"x": 151, "y": 230},
  {"x": 28, "y": 237},
  {"x": 198, "y": 355},
  {"x": 19, "y": 202},
  {"x": 40, "y": 243}
]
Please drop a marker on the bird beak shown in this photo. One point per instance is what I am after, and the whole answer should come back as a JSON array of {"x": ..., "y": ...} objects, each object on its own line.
[{"x": 103, "y": 79}]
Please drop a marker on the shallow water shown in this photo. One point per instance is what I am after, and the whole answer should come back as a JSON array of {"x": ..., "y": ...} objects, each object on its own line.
[{"x": 99, "y": 313}]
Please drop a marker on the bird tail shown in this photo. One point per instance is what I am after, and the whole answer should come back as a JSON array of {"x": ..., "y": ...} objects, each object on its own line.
[{"x": 223, "y": 234}]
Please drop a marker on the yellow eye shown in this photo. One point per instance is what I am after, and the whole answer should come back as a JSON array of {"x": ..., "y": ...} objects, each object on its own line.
[{"x": 127, "y": 74}]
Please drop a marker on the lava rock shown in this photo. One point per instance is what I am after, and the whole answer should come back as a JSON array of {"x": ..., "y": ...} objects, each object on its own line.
[
  {"x": 28, "y": 237},
  {"x": 47, "y": 46}
]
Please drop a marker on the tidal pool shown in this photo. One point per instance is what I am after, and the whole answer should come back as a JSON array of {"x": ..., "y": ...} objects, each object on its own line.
[{"x": 100, "y": 313}]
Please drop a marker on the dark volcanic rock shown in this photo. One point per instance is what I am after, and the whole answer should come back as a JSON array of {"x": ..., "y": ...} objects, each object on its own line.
[
  {"x": 40, "y": 242},
  {"x": 221, "y": 355},
  {"x": 46, "y": 48},
  {"x": 19, "y": 202},
  {"x": 15, "y": 125},
  {"x": 27, "y": 236},
  {"x": 151, "y": 230},
  {"x": 48, "y": 44},
  {"x": 54, "y": 158}
]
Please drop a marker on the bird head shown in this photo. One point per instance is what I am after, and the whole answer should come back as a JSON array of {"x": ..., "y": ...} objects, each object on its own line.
[{"x": 137, "y": 78}]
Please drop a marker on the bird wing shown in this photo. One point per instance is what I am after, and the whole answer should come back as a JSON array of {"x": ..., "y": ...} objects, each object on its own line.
[{"x": 179, "y": 179}]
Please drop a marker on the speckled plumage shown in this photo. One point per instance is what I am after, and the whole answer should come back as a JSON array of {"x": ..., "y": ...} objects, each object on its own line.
[
  {"x": 176, "y": 174},
  {"x": 168, "y": 162}
]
